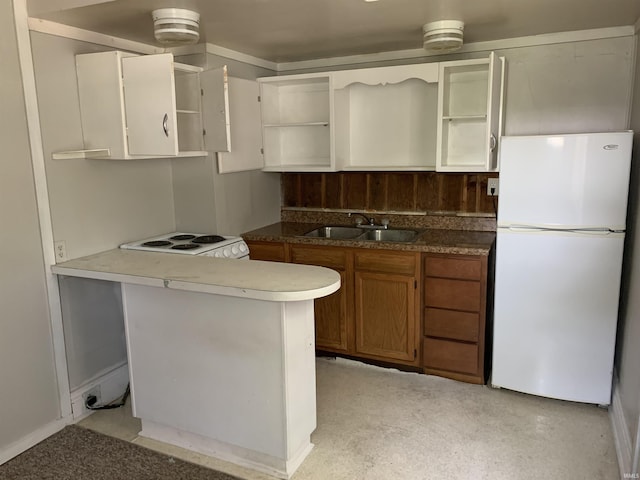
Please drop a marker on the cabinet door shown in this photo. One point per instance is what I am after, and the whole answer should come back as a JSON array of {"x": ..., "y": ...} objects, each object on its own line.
[
  {"x": 494, "y": 110},
  {"x": 385, "y": 316},
  {"x": 150, "y": 104},
  {"x": 246, "y": 128},
  {"x": 215, "y": 99},
  {"x": 332, "y": 313}
]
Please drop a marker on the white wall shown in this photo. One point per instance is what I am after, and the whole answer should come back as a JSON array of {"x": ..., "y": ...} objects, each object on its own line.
[
  {"x": 569, "y": 88},
  {"x": 27, "y": 375},
  {"x": 95, "y": 204},
  {"x": 231, "y": 203}
]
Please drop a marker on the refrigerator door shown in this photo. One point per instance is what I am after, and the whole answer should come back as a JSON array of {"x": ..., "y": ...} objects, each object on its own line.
[
  {"x": 573, "y": 181},
  {"x": 556, "y": 304}
]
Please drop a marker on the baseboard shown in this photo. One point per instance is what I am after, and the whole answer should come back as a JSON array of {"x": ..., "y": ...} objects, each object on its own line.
[
  {"x": 277, "y": 467},
  {"x": 108, "y": 386},
  {"x": 28, "y": 441},
  {"x": 621, "y": 438}
]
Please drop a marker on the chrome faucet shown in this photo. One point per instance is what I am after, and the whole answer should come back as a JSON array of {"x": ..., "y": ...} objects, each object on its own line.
[{"x": 370, "y": 221}]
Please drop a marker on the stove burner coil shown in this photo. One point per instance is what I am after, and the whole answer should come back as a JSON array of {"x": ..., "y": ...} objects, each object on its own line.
[
  {"x": 157, "y": 243},
  {"x": 184, "y": 236},
  {"x": 185, "y": 246},
  {"x": 208, "y": 239}
]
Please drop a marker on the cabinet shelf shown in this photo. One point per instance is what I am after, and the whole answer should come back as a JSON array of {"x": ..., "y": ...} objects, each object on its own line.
[
  {"x": 189, "y": 112},
  {"x": 465, "y": 117},
  {"x": 296, "y": 124},
  {"x": 71, "y": 154}
]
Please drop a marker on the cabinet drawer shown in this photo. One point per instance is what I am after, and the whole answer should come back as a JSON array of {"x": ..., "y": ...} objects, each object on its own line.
[
  {"x": 452, "y": 294},
  {"x": 270, "y": 251},
  {"x": 450, "y": 355},
  {"x": 449, "y": 267},
  {"x": 387, "y": 262},
  {"x": 451, "y": 324},
  {"x": 321, "y": 256}
]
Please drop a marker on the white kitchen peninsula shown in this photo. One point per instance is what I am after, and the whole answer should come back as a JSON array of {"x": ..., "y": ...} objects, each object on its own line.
[{"x": 221, "y": 352}]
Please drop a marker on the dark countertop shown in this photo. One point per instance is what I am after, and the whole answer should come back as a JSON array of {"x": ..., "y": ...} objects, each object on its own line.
[{"x": 462, "y": 242}]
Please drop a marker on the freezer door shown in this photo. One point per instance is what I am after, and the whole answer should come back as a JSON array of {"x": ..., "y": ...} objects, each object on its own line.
[
  {"x": 556, "y": 304},
  {"x": 577, "y": 181}
]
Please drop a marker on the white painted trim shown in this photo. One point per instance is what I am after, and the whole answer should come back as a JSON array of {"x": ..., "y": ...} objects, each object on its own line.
[
  {"x": 621, "y": 437},
  {"x": 419, "y": 53},
  {"x": 16, "y": 448},
  {"x": 42, "y": 200},
  {"x": 37, "y": 7},
  {"x": 66, "y": 31},
  {"x": 636, "y": 27},
  {"x": 636, "y": 453},
  {"x": 241, "y": 57}
]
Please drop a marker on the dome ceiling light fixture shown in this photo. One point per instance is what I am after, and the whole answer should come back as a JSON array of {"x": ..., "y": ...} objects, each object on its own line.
[
  {"x": 176, "y": 26},
  {"x": 443, "y": 36}
]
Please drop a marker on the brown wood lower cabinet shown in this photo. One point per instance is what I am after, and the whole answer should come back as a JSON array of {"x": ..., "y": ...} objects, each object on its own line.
[
  {"x": 387, "y": 305},
  {"x": 334, "y": 313},
  {"x": 376, "y": 313},
  {"x": 455, "y": 292}
]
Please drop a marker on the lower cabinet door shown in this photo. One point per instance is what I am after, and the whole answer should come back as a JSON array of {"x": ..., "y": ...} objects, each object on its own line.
[
  {"x": 385, "y": 316},
  {"x": 332, "y": 313},
  {"x": 331, "y": 319}
]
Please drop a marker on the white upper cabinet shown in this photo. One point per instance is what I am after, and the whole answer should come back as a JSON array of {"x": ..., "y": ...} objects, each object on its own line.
[
  {"x": 139, "y": 106},
  {"x": 386, "y": 117},
  {"x": 469, "y": 114},
  {"x": 430, "y": 116},
  {"x": 297, "y": 123}
]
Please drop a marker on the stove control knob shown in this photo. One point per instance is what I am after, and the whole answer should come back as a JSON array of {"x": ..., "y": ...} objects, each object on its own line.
[
  {"x": 243, "y": 247},
  {"x": 234, "y": 250},
  {"x": 226, "y": 253},
  {"x": 216, "y": 254}
]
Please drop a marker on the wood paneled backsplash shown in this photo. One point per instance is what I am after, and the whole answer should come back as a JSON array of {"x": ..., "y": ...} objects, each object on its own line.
[{"x": 389, "y": 191}]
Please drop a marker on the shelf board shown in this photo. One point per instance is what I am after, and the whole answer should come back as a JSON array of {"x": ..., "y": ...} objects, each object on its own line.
[
  {"x": 390, "y": 168},
  {"x": 92, "y": 153},
  {"x": 320, "y": 167},
  {"x": 188, "y": 111},
  {"x": 465, "y": 117},
  {"x": 299, "y": 124}
]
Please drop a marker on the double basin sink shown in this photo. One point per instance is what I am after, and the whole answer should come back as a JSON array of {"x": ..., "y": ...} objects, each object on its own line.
[{"x": 373, "y": 234}]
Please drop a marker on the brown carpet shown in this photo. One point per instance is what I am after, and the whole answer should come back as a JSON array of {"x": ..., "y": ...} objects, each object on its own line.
[{"x": 78, "y": 453}]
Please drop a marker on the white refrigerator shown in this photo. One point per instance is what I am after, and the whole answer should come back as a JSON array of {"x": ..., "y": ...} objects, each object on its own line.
[{"x": 561, "y": 223}]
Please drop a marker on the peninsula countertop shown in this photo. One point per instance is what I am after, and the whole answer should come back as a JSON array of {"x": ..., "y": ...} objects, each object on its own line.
[
  {"x": 464, "y": 242},
  {"x": 253, "y": 279}
]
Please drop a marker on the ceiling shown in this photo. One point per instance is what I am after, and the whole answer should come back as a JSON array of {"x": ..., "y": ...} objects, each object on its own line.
[{"x": 296, "y": 30}]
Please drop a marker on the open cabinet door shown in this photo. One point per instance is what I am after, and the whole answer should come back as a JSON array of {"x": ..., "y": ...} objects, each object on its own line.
[
  {"x": 150, "y": 104},
  {"x": 246, "y": 128},
  {"x": 494, "y": 109},
  {"x": 215, "y": 109}
]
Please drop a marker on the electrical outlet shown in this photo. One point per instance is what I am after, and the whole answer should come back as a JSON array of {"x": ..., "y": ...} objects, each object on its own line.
[
  {"x": 92, "y": 391},
  {"x": 492, "y": 184},
  {"x": 61, "y": 251}
]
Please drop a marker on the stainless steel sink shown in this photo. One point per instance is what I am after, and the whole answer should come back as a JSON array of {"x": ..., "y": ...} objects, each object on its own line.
[
  {"x": 338, "y": 233},
  {"x": 383, "y": 235}
]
